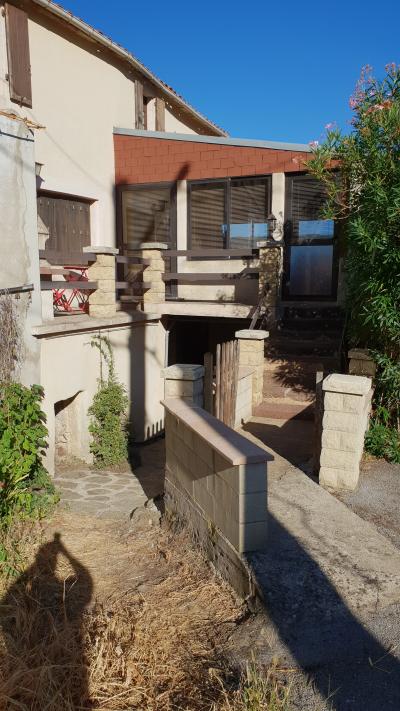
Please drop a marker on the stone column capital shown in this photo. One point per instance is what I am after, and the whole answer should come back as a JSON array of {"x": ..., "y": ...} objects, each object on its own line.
[
  {"x": 252, "y": 334},
  {"x": 183, "y": 371},
  {"x": 154, "y": 245},
  {"x": 100, "y": 249}
]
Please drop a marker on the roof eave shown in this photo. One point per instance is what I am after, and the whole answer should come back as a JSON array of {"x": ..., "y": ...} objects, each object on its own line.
[{"x": 124, "y": 54}]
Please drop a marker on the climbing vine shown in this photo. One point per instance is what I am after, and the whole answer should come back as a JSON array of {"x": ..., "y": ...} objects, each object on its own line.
[{"x": 108, "y": 412}]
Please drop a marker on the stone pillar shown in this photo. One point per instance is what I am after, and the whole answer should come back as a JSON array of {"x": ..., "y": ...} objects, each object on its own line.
[
  {"x": 103, "y": 301},
  {"x": 347, "y": 403},
  {"x": 361, "y": 362},
  {"x": 184, "y": 382},
  {"x": 269, "y": 279},
  {"x": 251, "y": 353},
  {"x": 153, "y": 284}
]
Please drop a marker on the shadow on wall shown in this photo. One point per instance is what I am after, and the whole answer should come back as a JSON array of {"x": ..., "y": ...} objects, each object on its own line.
[
  {"x": 41, "y": 617},
  {"x": 323, "y": 636}
]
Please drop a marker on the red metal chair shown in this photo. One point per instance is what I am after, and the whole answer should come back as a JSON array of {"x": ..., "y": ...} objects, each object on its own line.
[{"x": 72, "y": 299}]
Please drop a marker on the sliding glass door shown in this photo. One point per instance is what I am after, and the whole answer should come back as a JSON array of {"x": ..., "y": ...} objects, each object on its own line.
[{"x": 310, "y": 269}]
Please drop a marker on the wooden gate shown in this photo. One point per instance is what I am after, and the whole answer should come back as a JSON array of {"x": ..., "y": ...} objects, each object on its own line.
[{"x": 221, "y": 399}]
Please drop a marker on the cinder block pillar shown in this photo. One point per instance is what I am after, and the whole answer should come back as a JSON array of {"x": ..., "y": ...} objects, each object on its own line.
[
  {"x": 347, "y": 403},
  {"x": 185, "y": 382},
  {"x": 153, "y": 284},
  {"x": 103, "y": 301},
  {"x": 269, "y": 279},
  {"x": 251, "y": 353},
  {"x": 361, "y": 362}
]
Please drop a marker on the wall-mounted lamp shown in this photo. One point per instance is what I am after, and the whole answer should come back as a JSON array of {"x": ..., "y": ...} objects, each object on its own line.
[
  {"x": 271, "y": 219},
  {"x": 38, "y": 169}
]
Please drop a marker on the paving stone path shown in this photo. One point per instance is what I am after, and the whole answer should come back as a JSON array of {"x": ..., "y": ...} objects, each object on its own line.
[{"x": 114, "y": 494}]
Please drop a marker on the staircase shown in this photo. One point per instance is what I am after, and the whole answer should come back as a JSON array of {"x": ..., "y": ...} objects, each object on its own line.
[{"x": 306, "y": 339}]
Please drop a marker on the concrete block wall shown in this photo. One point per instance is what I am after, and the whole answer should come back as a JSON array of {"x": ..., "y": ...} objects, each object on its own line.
[
  {"x": 361, "y": 362},
  {"x": 153, "y": 284},
  {"x": 184, "y": 381},
  {"x": 221, "y": 473},
  {"x": 251, "y": 353},
  {"x": 347, "y": 404},
  {"x": 244, "y": 396},
  {"x": 102, "y": 301}
]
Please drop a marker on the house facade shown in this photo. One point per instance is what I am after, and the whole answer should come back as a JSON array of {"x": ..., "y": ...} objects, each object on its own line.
[
  {"x": 220, "y": 195},
  {"x": 63, "y": 88},
  {"x": 99, "y": 154}
]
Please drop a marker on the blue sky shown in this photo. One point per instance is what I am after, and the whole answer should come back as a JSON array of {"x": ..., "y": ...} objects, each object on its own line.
[{"x": 260, "y": 69}]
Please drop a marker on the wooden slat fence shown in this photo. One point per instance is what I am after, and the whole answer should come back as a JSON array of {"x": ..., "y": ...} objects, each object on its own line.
[{"x": 226, "y": 382}]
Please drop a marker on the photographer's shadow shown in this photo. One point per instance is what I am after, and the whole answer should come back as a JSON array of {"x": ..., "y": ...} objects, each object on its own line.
[{"x": 41, "y": 617}]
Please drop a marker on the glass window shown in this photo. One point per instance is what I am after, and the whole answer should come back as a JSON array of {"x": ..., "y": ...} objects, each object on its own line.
[
  {"x": 311, "y": 270},
  {"x": 207, "y": 215},
  {"x": 307, "y": 198},
  {"x": 146, "y": 216},
  {"x": 249, "y": 210},
  {"x": 229, "y": 213}
]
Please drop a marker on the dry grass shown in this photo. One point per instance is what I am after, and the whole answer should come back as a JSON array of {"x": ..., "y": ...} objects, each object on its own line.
[{"x": 157, "y": 645}]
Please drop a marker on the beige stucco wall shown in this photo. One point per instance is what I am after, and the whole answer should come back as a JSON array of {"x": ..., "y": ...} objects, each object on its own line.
[
  {"x": 173, "y": 124},
  {"x": 69, "y": 366},
  {"x": 79, "y": 105},
  {"x": 79, "y": 97}
]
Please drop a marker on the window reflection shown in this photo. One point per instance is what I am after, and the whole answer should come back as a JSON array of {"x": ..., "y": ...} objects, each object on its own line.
[
  {"x": 311, "y": 270},
  {"x": 316, "y": 229}
]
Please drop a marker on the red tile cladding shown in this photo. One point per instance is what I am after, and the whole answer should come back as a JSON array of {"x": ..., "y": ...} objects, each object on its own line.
[{"x": 155, "y": 160}]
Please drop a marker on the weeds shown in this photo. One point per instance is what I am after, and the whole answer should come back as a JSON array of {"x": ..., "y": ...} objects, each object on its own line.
[{"x": 158, "y": 645}]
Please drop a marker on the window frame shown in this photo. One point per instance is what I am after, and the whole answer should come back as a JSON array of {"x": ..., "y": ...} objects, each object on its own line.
[
  {"x": 227, "y": 182},
  {"x": 291, "y": 241},
  {"x": 72, "y": 198},
  {"x": 147, "y": 186},
  {"x": 171, "y": 288}
]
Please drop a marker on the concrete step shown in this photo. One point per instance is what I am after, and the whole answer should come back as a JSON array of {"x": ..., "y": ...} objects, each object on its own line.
[
  {"x": 283, "y": 345},
  {"x": 307, "y": 363},
  {"x": 313, "y": 324},
  {"x": 289, "y": 383},
  {"x": 284, "y": 409}
]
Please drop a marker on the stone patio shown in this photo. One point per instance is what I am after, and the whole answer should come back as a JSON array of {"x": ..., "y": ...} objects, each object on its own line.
[{"x": 110, "y": 493}]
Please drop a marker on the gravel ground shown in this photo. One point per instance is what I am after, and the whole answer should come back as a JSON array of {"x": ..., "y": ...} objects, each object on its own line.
[{"x": 377, "y": 497}]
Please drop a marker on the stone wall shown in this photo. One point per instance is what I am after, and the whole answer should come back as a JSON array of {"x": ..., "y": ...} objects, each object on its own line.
[
  {"x": 102, "y": 301},
  {"x": 347, "y": 403},
  {"x": 269, "y": 283}
]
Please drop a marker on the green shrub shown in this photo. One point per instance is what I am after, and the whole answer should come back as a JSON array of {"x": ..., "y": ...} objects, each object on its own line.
[
  {"x": 382, "y": 440},
  {"x": 108, "y": 425},
  {"x": 25, "y": 486}
]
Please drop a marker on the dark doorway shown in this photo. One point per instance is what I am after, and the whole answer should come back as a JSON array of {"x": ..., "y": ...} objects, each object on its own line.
[{"x": 190, "y": 337}]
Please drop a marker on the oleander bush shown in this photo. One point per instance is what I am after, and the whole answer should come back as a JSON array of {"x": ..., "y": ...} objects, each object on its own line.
[{"x": 361, "y": 173}]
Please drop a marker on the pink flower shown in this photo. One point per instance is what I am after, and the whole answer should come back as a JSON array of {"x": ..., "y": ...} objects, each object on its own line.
[
  {"x": 313, "y": 144},
  {"x": 329, "y": 126}
]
